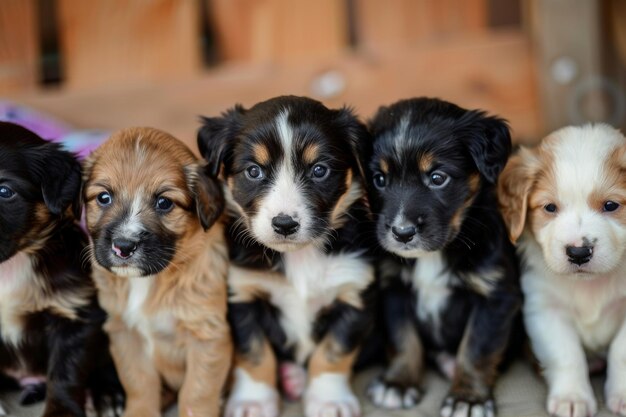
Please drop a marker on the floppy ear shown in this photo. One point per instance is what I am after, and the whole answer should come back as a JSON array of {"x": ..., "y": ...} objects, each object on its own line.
[
  {"x": 514, "y": 186},
  {"x": 216, "y": 135},
  {"x": 490, "y": 147},
  {"x": 207, "y": 193},
  {"x": 59, "y": 173},
  {"x": 358, "y": 138}
]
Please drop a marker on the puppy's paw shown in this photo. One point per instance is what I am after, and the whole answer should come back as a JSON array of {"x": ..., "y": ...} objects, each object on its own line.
[
  {"x": 385, "y": 394},
  {"x": 459, "y": 407},
  {"x": 330, "y": 395},
  {"x": 250, "y": 398},
  {"x": 292, "y": 380},
  {"x": 572, "y": 405}
]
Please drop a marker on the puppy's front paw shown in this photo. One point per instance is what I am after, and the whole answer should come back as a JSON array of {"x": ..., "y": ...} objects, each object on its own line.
[
  {"x": 330, "y": 395},
  {"x": 572, "y": 405},
  {"x": 250, "y": 398},
  {"x": 385, "y": 394},
  {"x": 292, "y": 380},
  {"x": 617, "y": 404},
  {"x": 462, "y": 407}
]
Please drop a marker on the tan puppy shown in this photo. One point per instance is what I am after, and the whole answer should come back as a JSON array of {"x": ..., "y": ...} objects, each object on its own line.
[{"x": 160, "y": 265}]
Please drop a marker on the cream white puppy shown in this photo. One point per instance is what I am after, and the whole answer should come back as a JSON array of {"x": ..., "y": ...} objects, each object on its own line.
[{"x": 565, "y": 200}]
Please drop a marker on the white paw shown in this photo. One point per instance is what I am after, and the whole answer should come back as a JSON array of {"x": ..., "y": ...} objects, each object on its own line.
[
  {"x": 458, "y": 408},
  {"x": 292, "y": 380},
  {"x": 250, "y": 398},
  {"x": 330, "y": 395},
  {"x": 391, "y": 396},
  {"x": 572, "y": 405}
]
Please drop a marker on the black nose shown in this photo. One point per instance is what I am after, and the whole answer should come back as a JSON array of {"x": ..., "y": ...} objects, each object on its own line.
[
  {"x": 579, "y": 254},
  {"x": 403, "y": 234},
  {"x": 285, "y": 225},
  {"x": 124, "y": 248}
]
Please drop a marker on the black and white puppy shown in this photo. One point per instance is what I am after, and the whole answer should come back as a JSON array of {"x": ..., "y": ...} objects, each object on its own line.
[
  {"x": 50, "y": 321},
  {"x": 450, "y": 284},
  {"x": 300, "y": 280}
]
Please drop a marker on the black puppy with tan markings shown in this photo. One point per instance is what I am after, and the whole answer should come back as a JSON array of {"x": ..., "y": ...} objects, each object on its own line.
[
  {"x": 300, "y": 279},
  {"x": 450, "y": 282},
  {"x": 160, "y": 264},
  {"x": 50, "y": 321}
]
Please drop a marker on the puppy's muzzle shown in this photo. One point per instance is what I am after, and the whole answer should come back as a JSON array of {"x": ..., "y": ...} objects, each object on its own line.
[
  {"x": 405, "y": 232},
  {"x": 285, "y": 225},
  {"x": 124, "y": 248},
  {"x": 579, "y": 254}
]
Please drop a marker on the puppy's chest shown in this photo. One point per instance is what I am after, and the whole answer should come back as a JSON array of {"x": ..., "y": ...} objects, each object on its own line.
[
  {"x": 16, "y": 275},
  {"x": 314, "y": 281},
  {"x": 153, "y": 326}
]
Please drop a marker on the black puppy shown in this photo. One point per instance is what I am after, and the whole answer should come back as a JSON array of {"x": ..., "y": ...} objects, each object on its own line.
[
  {"x": 50, "y": 321},
  {"x": 300, "y": 280},
  {"x": 450, "y": 279}
]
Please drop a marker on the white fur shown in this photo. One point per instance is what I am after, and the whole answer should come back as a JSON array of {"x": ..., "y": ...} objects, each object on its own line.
[
  {"x": 401, "y": 134},
  {"x": 285, "y": 197},
  {"x": 313, "y": 281},
  {"x": 568, "y": 310},
  {"x": 132, "y": 225},
  {"x": 251, "y": 398},
  {"x": 147, "y": 325},
  {"x": 330, "y": 394},
  {"x": 14, "y": 274}
]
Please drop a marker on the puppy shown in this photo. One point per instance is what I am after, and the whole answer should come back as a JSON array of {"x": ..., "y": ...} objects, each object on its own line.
[
  {"x": 50, "y": 321},
  {"x": 300, "y": 280},
  {"x": 450, "y": 279},
  {"x": 564, "y": 200},
  {"x": 160, "y": 264}
]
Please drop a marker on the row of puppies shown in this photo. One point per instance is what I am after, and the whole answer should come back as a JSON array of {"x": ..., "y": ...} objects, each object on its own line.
[{"x": 301, "y": 293}]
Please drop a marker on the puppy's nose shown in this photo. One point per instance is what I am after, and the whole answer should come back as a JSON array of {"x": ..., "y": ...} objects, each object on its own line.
[
  {"x": 403, "y": 234},
  {"x": 579, "y": 254},
  {"x": 285, "y": 225},
  {"x": 124, "y": 248}
]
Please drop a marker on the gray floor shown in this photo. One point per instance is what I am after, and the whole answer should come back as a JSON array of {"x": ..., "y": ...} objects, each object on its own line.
[{"x": 520, "y": 393}]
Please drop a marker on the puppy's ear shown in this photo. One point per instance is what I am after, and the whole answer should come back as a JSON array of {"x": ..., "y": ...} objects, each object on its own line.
[
  {"x": 514, "y": 186},
  {"x": 59, "y": 174},
  {"x": 490, "y": 146},
  {"x": 358, "y": 137},
  {"x": 207, "y": 193},
  {"x": 216, "y": 135}
]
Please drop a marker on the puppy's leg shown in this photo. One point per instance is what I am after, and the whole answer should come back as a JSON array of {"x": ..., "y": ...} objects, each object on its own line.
[
  {"x": 330, "y": 367},
  {"x": 615, "y": 388},
  {"x": 136, "y": 371},
  {"x": 254, "y": 389},
  {"x": 560, "y": 353},
  {"x": 480, "y": 353},
  {"x": 398, "y": 386},
  {"x": 208, "y": 361}
]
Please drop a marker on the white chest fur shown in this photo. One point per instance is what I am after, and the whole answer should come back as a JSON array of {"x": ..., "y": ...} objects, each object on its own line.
[
  {"x": 431, "y": 280},
  {"x": 15, "y": 274},
  {"x": 139, "y": 289}
]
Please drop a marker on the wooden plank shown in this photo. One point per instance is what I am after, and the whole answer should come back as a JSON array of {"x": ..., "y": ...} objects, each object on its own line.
[
  {"x": 490, "y": 72},
  {"x": 19, "y": 48},
  {"x": 567, "y": 43},
  {"x": 405, "y": 22},
  {"x": 107, "y": 42},
  {"x": 279, "y": 31}
]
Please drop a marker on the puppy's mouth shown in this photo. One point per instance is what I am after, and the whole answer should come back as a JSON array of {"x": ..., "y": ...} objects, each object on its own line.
[{"x": 129, "y": 258}]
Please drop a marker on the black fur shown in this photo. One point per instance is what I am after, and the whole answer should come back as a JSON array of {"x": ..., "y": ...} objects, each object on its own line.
[
  {"x": 72, "y": 353},
  {"x": 471, "y": 149}
]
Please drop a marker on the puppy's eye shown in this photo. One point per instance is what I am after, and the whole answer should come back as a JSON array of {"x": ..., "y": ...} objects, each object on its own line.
[
  {"x": 6, "y": 192},
  {"x": 550, "y": 208},
  {"x": 104, "y": 199},
  {"x": 164, "y": 204},
  {"x": 438, "y": 179},
  {"x": 319, "y": 172},
  {"x": 254, "y": 172},
  {"x": 380, "y": 181},
  {"x": 608, "y": 206}
]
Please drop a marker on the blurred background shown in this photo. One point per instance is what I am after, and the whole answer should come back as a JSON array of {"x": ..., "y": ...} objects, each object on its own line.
[{"x": 107, "y": 64}]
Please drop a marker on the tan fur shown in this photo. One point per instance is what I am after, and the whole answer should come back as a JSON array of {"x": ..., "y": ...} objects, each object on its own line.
[
  {"x": 407, "y": 364},
  {"x": 311, "y": 153},
  {"x": 190, "y": 291},
  {"x": 425, "y": 162},
  {"x": 353, "y": 192},
  {"x": 261, "y": 154},
  {"x": 384, "y": 166},
  {"x": 260, "y": 363},
  {"x": 328, "y": 357}
]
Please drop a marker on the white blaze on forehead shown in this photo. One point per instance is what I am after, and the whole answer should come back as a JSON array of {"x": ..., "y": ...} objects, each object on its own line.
[
  {"x": 132, "y": 225},
  {"x": 285, "y": 133},
  {"x": 580, "y": 155},
  {"x": 402, "y": 131}
]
